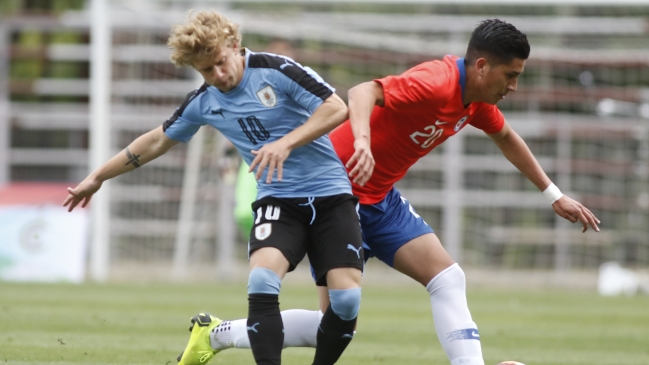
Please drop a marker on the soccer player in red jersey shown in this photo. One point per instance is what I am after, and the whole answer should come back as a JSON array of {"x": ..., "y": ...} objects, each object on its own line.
[
  {"x": 409, "y": 115},
  {"x": 396, "y": 120}
]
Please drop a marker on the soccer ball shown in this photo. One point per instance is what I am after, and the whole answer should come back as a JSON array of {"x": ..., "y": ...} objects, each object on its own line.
[{"x": 510, "y": 363}]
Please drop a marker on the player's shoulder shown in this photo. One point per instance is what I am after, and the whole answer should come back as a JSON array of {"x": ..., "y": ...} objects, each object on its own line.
[
  {"x": 191, "y": 102},
  {"x": 486, "y": 117},
  {"x": 439, "y": 71},
  {"x": 194, "y": 98},
  {"x": 194, "y": 94},
  {"x": 293, "y": 72},
  {"x": 439, "y": 77},
  {"x": 265, "y": 60},
  {"x": 481, "y": 108},
  {"x": 274, "y": 63}
]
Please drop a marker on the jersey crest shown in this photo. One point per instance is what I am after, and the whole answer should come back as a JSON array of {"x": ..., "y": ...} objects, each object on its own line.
[
  {"x": 459, "y": 124},
  {"x": 263, "y": 231},
  {"x": 267, "y": 96}
]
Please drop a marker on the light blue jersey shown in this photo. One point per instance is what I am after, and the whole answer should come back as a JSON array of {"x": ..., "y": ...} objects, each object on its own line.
[{"x": 275, "y": 96}]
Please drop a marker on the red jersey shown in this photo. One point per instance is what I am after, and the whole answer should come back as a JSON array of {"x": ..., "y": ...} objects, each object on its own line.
[{"x": 422, "y": 108}]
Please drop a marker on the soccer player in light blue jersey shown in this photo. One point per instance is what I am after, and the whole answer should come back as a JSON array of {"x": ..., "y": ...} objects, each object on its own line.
[{"x": 276, "y": 113}]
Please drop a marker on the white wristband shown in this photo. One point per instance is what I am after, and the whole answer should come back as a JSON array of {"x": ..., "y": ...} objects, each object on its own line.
[{"x": 552, "y": 193}]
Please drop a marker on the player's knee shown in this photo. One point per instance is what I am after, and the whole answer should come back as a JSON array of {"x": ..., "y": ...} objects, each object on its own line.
[
  {"x": 456, "y": 275},
  {"x": 451, "y": 278},
  {"x": 263, "y": 281},
  {"x": 345, "y": 303}
]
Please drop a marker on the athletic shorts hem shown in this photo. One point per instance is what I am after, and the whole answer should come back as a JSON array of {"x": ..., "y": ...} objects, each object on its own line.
[
  {"x": 322, "y": 280},
  {"x": 291, "y": 266}
]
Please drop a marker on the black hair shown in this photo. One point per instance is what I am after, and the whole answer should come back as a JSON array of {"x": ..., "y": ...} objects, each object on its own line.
[{"x": 497, "y": 41}]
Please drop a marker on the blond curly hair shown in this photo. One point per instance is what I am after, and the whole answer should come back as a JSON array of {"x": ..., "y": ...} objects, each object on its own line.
[{"x": 205, "y": 33}]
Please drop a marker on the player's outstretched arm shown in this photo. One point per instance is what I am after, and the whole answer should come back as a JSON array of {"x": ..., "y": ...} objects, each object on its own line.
[
  {"x": 362, "y": 98},
  {"x": 516, "y": 151},
  {"x": 145, "y": 148},
  {"x": 330, "y": 114}
]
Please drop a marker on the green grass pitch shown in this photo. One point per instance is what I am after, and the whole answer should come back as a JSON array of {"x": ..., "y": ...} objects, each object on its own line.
[{"x": 147, "y": 324}]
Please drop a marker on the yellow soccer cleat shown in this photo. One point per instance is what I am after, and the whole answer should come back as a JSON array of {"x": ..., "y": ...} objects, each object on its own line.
[{"x": 198, "y": 350}]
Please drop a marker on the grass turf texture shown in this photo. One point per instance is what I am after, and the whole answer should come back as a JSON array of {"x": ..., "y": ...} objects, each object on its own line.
[{"x": 147, "y": 324}]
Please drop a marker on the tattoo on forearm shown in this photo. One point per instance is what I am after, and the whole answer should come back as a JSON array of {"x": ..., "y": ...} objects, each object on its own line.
[{"x": 132, "y": 159}]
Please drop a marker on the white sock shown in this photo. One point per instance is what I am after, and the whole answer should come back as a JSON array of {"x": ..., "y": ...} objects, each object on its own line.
[
  {"x": 300, "y": 327},
  {"x": 221, "y": 335},
  {"x": 455, "y": 329},
  {"x": 300, "y": 330}
]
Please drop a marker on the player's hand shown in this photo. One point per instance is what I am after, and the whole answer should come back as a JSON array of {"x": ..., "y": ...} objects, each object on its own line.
[
  {"x": 361, "y": 162},
  {"x": 574, "y": 211},
  {"x": 82, "y": 193},
  {"x": 271, "y": 155}
]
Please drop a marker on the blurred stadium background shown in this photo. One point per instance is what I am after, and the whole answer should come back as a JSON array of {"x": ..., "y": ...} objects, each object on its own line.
[{"x": 80, "y": 79}]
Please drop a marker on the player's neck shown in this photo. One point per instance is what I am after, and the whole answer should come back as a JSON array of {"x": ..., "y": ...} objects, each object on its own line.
[{"x": 471, "y": 90}]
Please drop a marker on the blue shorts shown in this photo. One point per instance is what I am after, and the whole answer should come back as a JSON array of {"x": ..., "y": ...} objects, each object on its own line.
[{"x": 388, "y": 225}]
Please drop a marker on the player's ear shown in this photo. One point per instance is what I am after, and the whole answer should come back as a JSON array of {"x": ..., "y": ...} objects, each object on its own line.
[
  {"x": 234, "y": 47},
  {"x": 482, "y": 66}
]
